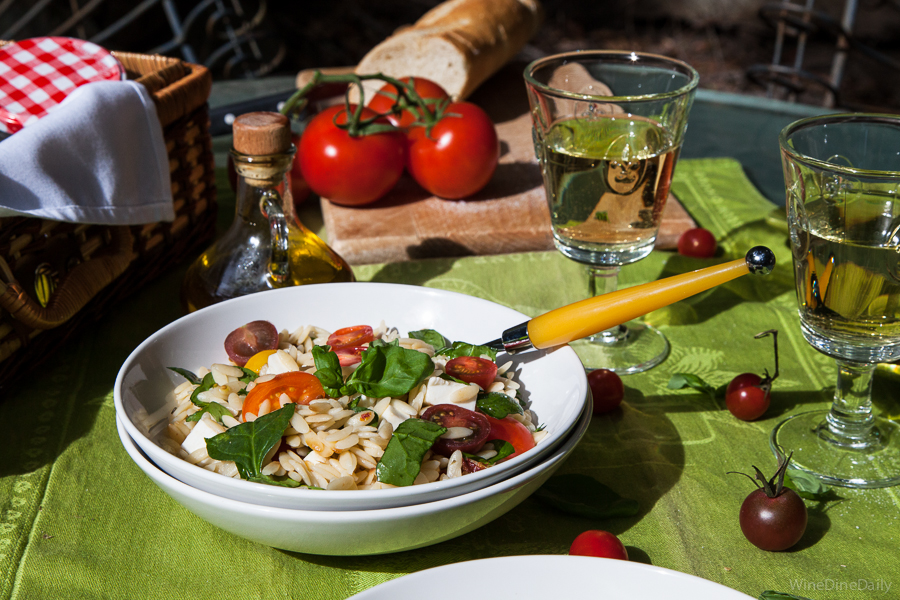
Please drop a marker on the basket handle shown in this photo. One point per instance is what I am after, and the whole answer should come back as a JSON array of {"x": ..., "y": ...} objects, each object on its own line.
[{"x": 81, "y": 284}]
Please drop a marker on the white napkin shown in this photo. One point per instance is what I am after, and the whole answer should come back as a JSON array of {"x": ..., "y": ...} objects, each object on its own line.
[{"x": 99, "y": 157}]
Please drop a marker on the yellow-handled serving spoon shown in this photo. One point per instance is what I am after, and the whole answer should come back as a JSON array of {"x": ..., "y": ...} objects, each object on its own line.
[{"x": 587, "y": 317}]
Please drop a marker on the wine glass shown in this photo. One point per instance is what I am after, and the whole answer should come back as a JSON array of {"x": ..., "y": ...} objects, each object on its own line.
[
  {"x": 842, "y": 180},
  {"x": 608, "y": 128}
]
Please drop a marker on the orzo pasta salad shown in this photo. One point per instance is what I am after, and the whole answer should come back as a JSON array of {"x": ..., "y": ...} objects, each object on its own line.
[{"x": 357, "y": 408}]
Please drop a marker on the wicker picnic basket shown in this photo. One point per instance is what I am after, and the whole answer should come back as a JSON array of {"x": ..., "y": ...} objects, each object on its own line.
[{"x": 55, "y": 276}]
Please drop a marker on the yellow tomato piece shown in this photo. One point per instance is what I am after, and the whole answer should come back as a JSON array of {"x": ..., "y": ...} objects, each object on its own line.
[{"x": 258, "y": 360}]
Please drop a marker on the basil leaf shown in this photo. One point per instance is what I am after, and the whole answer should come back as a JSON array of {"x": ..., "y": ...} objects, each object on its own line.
[
  {"x": 806, "y": 485},
  {"x": 248, "y": 443},
  {"x": 186, "y": 374},
  {"x": 457, "y": 349},
  {"x": 771, "y": 595},
  {"x": 249, "y": 375},
  {"x": 328, "y": 370},
  {"x": 503, "y": 449},
  {"x": 429, "y": 336},
  {"x": 215, "y": 410},
  {"x": 452, "y": 378},
  {"x": 403, "y": 456},
  {"x": 497, "y": 405},
  {"x": 388, "y": 370},
  {"x": 584, "y": 496},
  {"x": 682, "y": 380},
  {"x": 281, "y": 481}
]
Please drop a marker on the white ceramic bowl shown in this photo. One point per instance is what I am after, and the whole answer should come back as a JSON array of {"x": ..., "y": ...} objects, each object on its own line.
[
  {"x": 351, "y": 533},
  {"x": 552, "y": 576},
  {"x": 554, "y": 381}
]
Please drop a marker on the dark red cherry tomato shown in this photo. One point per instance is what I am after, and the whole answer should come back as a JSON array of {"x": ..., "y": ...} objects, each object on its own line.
[
  {"x": 472, "y": 369},
  {"x": 512, "y": 431},
  {"x": 607, "y": 390},
  {"x": 348, "y": 337},
  {"x": 451, "y": 415},
  {"x": 773, "y": 524},
  {"x": 256, "y": 336},
  {"x": 697, "y": 242},
  {"x": 345, "y": 169},
  {"x": 598, "y": 543},
  {"x": 386, "y": 98},
  {"x": 458, "y": 156}
]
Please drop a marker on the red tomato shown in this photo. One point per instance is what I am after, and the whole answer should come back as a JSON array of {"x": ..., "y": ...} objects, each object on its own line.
[
  {"x": 459, "y": 157},
  {"x": 748, "y": 403},
  {"x": 472, "y": 369},
  {"x": 348, "y": 337},
  {"x": 697, "y": 242},
  {"x": 348, "y": 170},
  {"x": 350, "y": 355},
  {"x": 386, "y": 98},
  {"x": 300, "y": 387},
  {"x": 775, "y": 523},
  {"x": 741, "y": 381},
  {"x": 451, "y": 415},
  {"x": 245, "y": 341},
  {"x": 598, "y": 543},
  {"x": 513, "y": 432},
  {"x": 607, "y": 390}
]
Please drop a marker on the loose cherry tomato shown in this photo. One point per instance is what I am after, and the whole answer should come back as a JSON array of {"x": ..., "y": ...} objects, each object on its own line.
[
  {"x": 300, "y": 387},
  {"x": 348, "y": 337},
  {"x": 741, "y": 381},
  {"x": 748, "y": 403},
  {"x": 512, "y": 431},
  {"x": 451, "y": 415},
  {"x": 459, "y": 156},
  {"x": 598, "y": 543},
  {"x": 773, "y": 517},
  {"x": 607, "y": 390},
  {"x": 348, "y": 170},
  {"x": 472, "y": 369},
  {"x": 245, "y": 341},
  {"x": 386, "y": 98},
  {"x": 697, "y": 242}
]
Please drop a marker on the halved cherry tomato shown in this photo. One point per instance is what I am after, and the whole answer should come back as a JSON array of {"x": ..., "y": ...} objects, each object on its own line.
[
  {"x": 347, "y": 337},
  {"x": 513, "y": 432},
  {"x": 245, "y": 341},
  {"x": 300, "y": 387},
  {"x": 386, "y": 98},
  {"x": 472, "y": 369},
  {"x": 451, "y": 415},
  {"x": 350, "y": 355}
]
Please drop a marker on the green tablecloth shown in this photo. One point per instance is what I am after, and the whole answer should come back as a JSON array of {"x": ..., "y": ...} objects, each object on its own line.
[{"x": 79, "y": 520}]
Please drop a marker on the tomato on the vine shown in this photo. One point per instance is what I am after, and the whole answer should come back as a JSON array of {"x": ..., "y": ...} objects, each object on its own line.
[
  {"x": 598, "y": 543},
  {"x": 607, "y": 390},
  {"x": 349, "y": 170},
  {"x": 385, "y": 100},
  {"x": 458, "y": 156},
  {"x": 697, "y": 242},
  {"x": 512, "y": 431},
  {"x": 300, "y": 387},
  {"x": 747, "y": 396},
  {"x": 472, "y": 369}
]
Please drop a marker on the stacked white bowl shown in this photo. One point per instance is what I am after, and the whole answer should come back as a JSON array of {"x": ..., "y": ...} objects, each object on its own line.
[{"x": 360, "y": 521}]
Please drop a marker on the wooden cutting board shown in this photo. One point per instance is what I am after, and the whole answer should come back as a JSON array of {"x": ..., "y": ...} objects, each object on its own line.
[{"x": 509, "y": 215}]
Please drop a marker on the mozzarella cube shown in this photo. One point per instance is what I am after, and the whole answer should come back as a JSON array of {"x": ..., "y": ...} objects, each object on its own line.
[{"x": 444, "y": 391}]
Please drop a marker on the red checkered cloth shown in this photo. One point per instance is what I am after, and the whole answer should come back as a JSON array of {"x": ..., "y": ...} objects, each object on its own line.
[{"x": 38, "y": 73}]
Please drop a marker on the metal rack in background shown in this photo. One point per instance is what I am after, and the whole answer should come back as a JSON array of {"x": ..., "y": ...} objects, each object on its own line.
[
  {"x": 224, "y": 35},
  {"x": 796, "y": 23}
]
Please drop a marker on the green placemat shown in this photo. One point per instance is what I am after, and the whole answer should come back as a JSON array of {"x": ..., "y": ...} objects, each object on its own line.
[{"x": 79, "y": 520}]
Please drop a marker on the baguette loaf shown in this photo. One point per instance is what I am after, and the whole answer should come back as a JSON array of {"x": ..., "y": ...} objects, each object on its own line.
[{"x": 457, "y": 44}]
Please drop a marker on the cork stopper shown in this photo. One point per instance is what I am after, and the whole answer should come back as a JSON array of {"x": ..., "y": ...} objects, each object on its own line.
[{"x": 261, "y": 133}]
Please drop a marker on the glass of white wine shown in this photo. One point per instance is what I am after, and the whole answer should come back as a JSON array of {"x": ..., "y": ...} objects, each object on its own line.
[
  {"x": 608, "y": 127},
  {"x": 842, "y": 180}
]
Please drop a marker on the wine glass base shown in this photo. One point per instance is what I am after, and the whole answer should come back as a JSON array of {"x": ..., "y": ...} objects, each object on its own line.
[
  {"x": 639, "y": 347},
  {"x": 874, "y": 463}
]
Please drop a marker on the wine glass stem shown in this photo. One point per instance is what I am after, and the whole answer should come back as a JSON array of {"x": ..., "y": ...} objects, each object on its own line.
[
  {"x": 605, "y": 280},
  {"x": 851, "y": 417}
]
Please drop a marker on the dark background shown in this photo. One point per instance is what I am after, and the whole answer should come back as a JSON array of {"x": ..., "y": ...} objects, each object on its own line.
[{"x": 723, "y": 39}]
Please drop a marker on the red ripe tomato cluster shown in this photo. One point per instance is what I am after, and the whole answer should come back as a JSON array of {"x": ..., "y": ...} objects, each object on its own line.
[{"x": 451, "y": 158}]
